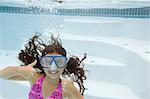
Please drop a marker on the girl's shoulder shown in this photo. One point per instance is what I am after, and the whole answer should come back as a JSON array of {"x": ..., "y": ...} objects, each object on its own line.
[{"x": 35, "y": 77}]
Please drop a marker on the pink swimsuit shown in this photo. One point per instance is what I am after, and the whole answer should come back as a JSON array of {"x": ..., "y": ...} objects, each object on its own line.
[{"x": 36, "y": 91}]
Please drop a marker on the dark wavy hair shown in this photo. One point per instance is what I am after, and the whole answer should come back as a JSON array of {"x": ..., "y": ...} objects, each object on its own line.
[{"x": 35, "y": 49}]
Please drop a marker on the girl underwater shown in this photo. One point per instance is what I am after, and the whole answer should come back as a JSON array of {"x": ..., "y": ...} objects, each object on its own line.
[{"x": 48, "y": 69}]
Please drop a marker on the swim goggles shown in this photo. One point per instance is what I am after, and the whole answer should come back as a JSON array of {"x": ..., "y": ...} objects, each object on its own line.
[{"x": 60, "y": 61}]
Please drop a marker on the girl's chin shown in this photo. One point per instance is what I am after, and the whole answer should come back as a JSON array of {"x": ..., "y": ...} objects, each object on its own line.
[{"x": 53, "y": 75}]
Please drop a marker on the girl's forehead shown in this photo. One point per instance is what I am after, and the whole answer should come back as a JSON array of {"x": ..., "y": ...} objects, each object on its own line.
[{"x": 53, "y": 54}]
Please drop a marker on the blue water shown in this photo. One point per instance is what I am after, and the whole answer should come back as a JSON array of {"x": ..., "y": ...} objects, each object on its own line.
[{"x": 118, "y": 49}]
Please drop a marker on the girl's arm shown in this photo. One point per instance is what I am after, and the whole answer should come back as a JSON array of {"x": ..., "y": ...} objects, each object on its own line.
[{"x": 18, "y": 72}]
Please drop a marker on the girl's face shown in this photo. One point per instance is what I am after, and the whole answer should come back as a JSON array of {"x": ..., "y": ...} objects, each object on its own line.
[{"x": 54, "y": 65}]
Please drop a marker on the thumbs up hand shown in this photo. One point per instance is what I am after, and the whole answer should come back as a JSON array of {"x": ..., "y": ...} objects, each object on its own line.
[
  {"x": 27, "y": 71},
  {"x": 33, "y": 64},
  {"x": 67, "y": 83}
]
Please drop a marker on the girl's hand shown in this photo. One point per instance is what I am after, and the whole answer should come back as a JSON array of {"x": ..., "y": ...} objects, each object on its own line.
[
  {"x": 69, "y": 88},
  {"x": 67, "y": 84},
  {"x": 27, "y": 71},
  {"x": 33, "y": 64}
]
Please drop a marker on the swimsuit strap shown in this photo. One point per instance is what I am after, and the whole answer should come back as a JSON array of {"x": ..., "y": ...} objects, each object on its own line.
[
  {"x": 57, "y": 93},
  {"x": 36, "y": 90}
]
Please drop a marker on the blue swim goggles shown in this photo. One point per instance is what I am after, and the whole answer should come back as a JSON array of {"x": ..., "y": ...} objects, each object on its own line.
[{"x": 60, "y": 61}]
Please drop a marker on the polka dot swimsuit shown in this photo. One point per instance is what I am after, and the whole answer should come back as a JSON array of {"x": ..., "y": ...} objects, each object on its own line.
[{"x": 36, "y": 91}]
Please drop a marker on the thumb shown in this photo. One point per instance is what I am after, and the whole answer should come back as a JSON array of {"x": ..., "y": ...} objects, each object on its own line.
[
  {"x": 33, "y": 63},
  {"x": 65, "y": 77},
  {"x": 37, "y": 70}
]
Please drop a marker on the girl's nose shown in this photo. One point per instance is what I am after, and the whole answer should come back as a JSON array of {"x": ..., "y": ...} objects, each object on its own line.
[{"x": 53, "y": 66}]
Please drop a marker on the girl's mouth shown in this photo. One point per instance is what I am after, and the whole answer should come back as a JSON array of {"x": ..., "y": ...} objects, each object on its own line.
[{"x": 53, "y": 72}]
